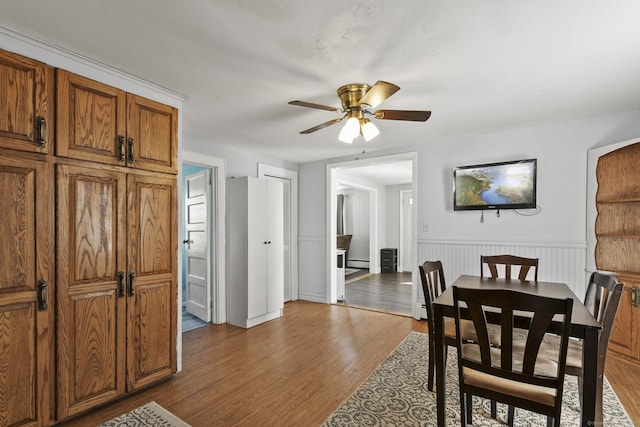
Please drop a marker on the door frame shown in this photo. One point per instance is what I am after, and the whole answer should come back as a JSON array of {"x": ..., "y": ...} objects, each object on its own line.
[
  {"x": 218, "y": 264},
  {"x": 188, "y": 280},
  {"x": 401, "y": 234},
  {"x": 331, "y": 221}
]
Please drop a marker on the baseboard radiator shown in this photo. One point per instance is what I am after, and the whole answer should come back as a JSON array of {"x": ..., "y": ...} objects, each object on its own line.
[{"x": 358, "y": 263}]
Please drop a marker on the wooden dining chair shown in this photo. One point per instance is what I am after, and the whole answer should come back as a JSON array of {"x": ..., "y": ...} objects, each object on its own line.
[
  {"x": 433, "y": 284},
  {"x": 523, "y": 380},
  {"x": 507, "y": 262},
  {"x": 602, "y": 299}
]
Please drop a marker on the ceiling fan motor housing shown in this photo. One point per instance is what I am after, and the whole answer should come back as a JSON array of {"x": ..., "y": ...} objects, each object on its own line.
[{"x": 351, "y": 94}]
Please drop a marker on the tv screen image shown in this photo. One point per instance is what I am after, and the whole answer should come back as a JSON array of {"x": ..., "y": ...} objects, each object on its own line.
[{"x": 505, "y": 185}]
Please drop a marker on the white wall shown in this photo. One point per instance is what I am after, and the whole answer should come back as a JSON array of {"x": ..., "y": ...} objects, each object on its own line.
[
  {"x": 561, "y": 150},
  {"x": 239, "y": 162}
]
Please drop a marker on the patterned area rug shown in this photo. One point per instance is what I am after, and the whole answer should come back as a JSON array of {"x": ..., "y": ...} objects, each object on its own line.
[
  {"x": 396, "y": 395},
  {"x": 148, "y": 415}
]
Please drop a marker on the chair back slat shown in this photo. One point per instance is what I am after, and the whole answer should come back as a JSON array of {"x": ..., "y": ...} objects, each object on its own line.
[
  {"x": 508, "y": 262},
  {"x": 433, "y": 284}
]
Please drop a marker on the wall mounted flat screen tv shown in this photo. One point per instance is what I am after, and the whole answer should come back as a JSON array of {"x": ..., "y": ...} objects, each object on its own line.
[{"x": 505, "y": 185}]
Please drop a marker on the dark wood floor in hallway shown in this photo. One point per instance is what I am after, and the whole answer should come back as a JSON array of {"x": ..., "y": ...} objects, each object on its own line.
[{"x": 386, "y": 292}]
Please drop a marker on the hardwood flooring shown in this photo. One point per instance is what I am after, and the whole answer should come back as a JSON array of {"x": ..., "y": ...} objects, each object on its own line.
[
  {"x": 293, "y": 371},
  {"x": 386, "y": 292}
]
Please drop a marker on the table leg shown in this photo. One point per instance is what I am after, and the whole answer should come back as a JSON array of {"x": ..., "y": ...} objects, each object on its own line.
[
  {"x": 590, "y": 390},
  {"x": 440, "y": 348}
]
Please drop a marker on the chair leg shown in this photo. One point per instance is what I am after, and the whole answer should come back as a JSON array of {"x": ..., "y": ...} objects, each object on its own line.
[
  {"x": 510, "y": 415},
  {"x": 470, "y": 408},
  {"x": 551, "y": 422},
  {"x": 579, "y": 378},
  {"x": 431, "y": 367},
  {"x": 494, "y": 407},
  {"x": 463, "y": 410}
]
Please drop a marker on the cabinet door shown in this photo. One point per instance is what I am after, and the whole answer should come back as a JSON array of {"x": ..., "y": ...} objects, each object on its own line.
[
  {"x": 91, "y": 242},
  {"x": 152, "y": 305},
  {"x": 257, "y": 247},
  {"x": 152, "y": 130},
  {"x": 275, "y": 253},
  {"x": 91, "y": 120},
  {"x": 25, "y": 103},
  {"x": 24, "y": 323},
  {"x": 624, "y": 336}
]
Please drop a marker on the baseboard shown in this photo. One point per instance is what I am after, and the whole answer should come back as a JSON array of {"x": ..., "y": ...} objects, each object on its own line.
[{"x": 358, "y": 263}]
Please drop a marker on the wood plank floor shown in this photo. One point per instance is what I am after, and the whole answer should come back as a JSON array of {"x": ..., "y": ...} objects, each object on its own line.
[
  {"x": 386, "y": 292},
  {"x": 293, "y": 371}
]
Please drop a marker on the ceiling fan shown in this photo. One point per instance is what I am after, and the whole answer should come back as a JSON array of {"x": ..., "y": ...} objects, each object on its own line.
[{"x": 358, "y": 99}]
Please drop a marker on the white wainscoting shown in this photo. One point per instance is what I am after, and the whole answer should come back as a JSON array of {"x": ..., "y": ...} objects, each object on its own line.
[{"x": 558, "y": 262}]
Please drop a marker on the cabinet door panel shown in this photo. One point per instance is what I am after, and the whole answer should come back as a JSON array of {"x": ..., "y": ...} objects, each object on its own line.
[
  {"x": 153, "y": 248},
  {"x": 18, "y": 365},
  {"x": 153, "y": 128},
  {"x": 25, "y": 93},
  {"x": 91, "y": 117},
  {"x": 91, "y": 236},
  {"x": 24, "y": 260}
]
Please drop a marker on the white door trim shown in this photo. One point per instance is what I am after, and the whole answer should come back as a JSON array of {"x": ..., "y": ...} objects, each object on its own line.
[
  {"x": 330, "y": 203},
  {"x": 218, "y": 246},
  {"x": 404, "y": 264},
  {"x": 268, "y": 171}
]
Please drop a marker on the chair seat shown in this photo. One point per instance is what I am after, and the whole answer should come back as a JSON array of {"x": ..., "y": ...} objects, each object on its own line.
[
  {"x": 543, "y": 395},
  {"x": 540, "y": 394},
  {"x": 468, "y": 332},
  {"x": 551, "y": 346}
]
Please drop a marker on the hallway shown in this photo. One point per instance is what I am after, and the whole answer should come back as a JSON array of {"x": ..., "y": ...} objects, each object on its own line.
[{"x": 386, "y": 292}]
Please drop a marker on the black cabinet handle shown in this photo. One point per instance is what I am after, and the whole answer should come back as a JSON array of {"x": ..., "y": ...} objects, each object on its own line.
[
  {"x": 132, "y": 153},
  {"x": 121, "y": 148},
  {"x": 41, "y": 130},
  {"x": 42, "y": 295},
  {"x": 132, "y": 276},
  {"x": 121, "y": 284}
]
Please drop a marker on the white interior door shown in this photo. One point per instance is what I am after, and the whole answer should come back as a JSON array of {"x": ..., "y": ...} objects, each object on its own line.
[
  {"x": 197, "y": 245},
  {"x": 406, "y": 200}
]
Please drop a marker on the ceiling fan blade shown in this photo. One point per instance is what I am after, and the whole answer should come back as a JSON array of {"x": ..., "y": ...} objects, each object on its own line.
[
  {"x": 324, "y": 125},
  {"x": 411, "y": 115},
  {"x": 378, "y": 93},
  {"x": 312, "y": 105}
]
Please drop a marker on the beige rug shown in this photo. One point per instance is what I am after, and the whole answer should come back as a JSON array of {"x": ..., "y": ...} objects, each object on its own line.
[
  {"x": 396, "y": 395},
  {"x": 147, "y": 415}
]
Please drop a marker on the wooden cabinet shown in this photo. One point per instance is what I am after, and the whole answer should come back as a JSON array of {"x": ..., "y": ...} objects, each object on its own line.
[
  {"x": 103, "y": 124},
  {"x": 617, "y": 230},
  {"x": 389, "y": 260},
  {"x": 255, "y": 251},
  {"x": 26, "y": 291},
  {"x": 26, "y": 110},
  {"x": 95, "y": 316},
  {"x": 117, "y": 246}
]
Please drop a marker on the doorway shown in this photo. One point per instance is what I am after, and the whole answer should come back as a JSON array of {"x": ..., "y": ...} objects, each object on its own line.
[
  {"x": 381, "y": 219},
  {"x": 202, "y": 255}
]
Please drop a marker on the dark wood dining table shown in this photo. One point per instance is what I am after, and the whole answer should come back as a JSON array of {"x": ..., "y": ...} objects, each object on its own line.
[{"x": 583, "y": 326}]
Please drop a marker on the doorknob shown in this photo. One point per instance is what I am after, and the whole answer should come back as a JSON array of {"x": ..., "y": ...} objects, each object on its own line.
[{"x": 187, "y": 241}]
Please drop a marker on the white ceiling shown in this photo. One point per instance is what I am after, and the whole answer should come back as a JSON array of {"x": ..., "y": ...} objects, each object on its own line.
[{"x": 479, "y": 65}]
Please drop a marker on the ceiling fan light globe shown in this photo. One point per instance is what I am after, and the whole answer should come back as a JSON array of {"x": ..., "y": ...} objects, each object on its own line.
[
  {"x": 369, "y": 130},
  {"x": 350, "y": 130}
]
